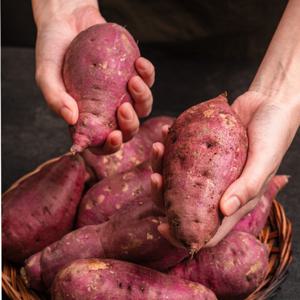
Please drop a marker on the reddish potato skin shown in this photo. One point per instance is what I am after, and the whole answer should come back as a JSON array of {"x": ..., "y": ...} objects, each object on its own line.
[
  {"x": 130, "y": 235},
  {"x": 119, "y": 280},
  {"x": 232, "y": 269},
  {"x": 132, "y": 153},
  {"x": 111, "y": 194},
  {"x": 256, "y": 220},
  {"x": 97, "y": 66},
  {"x": 205, "y": 151},
  {"x": 42, "y": 208}
]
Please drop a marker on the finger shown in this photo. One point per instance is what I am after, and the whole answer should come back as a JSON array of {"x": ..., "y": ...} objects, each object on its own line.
[
  {"x": 165, "y": 131},
  {"x": 228, "y": 223},
  {"x": 164, "y": 230},
  {"x": 268, "y": 142},
  {"x": 157, "y": 189},
  {"x": 157, "y": 156},
  {"x": 141, "y": 95},
  {"x": 56, "y": 96},
  {"x": 112, "y": 144},
  {"x": 146, "y": 70},
  {"x": 128, "y": 121}
]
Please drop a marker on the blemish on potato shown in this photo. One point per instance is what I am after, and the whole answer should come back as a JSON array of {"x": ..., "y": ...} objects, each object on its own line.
[
  {"x": 207, "y": 113},
  {"x": 118, "y": 206},
  {"x": 88, "y": 205},
  {"x": 253, "y": 269},
  {"x": 100, "y": 199},
  {"x": 107, "y": 189},
  {"x": 98, "y": 265},
  {"x": 124, "y": 187},
  {"x": 149, "y": 236}
]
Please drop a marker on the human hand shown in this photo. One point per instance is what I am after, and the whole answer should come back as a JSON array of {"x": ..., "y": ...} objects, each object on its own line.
[
  {"x": 57, "y": 24},
  {"x": 271, "y": 125},
  {"x": 157, "y": 195}
]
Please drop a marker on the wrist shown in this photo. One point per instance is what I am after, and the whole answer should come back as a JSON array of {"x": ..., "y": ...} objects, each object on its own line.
[
  {"x": 45, "y": 11},
  {"x": 279, "y": 93}
]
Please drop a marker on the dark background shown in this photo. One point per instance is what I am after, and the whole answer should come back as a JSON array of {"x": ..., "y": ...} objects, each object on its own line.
[{"x": 199, "y": 49}]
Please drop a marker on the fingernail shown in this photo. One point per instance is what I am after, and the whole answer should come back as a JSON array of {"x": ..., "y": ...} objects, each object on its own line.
[
  {"x": 126, "y": 113},
  {"x": 114, "y": 142},
  {"x": 153, "y": 179},
  {"x": 232, "y": 205},
  {"x": 67, "y": 114},
  {"x": 155, "y": 150}
]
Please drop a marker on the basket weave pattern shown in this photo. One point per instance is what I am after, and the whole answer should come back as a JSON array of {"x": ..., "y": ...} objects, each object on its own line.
[{"x": 277, "y": 235}]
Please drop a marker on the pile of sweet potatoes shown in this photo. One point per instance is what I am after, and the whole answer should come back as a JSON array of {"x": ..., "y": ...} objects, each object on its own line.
[{"x": 101, "y": 240}]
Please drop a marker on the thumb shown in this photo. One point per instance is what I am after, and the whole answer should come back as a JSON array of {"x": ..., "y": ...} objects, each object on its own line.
[
  {"x": 53, "y": 89},
  {"x": 269, "y": 137}
]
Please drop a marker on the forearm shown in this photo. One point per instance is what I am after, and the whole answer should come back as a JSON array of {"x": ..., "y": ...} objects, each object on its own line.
[
  {"x": 44, "y": 10},
  {"x": 279, "y": 73}
]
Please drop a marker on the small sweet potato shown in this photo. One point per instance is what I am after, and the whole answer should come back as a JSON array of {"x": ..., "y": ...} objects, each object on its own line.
[
  {"x": 108, "y": 279},
  {"x": 97, "y": 66},
  {"x": 256, "y": 220},
  {"x": 205, "y": 152},
  {"x": 132, "y": 153},
  {"x": 130, "y": 235},
  {"x": 111, "y": 194},
  {"x": 42, "y": 207},
  {"x": 232, "y": 269}
]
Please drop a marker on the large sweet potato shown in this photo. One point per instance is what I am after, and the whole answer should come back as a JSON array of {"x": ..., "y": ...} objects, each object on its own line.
[
  {"x": 205, "y": 152},
  {"x": 232, "y": 269},
  {"x": 42, "y": 207},
  {"x": 108, "y": 279},
  {"x": 97, "y": 66},
  {"x": 130, "y": 235},
  {"x": 113, "y": 193},
  {"x": 256, "y": 220},
  {"x": 132, "y": 153}
]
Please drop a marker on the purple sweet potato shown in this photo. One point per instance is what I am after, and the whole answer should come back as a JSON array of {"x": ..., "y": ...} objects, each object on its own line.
[
  {"x": 232, "y": 269},
  {"x": 97, "y": 66},
  {"x": 41, "y": 208},
  {"x": 118, "y": 280},
  {"x": 132, "y": 153},
  {"x": 205, "y": 152},
  {"x": 256, "y": 220},
  {"x": 130, "y": 235},
  {"x": 113, "y": 193}
]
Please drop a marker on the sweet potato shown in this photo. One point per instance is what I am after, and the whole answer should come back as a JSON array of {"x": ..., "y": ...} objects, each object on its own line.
[
  {"x": 111, "y": 279},
  {"x": 97, "y": 66},
  {"x": 113, "y": 193},
  {"x": 130, "y": 235},
  {"x": 232, "y": 269},
  {"x": 205, "y": 152},
  {"x": 132, "y": 153},
  {"x": 42, "y": 207},
  {"x": 256, "y": 220}
]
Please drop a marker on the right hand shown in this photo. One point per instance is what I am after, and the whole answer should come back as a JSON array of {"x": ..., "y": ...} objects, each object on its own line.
[{"x": 58, "y": 23}]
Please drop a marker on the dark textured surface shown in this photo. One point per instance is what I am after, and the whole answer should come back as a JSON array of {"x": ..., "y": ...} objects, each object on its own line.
[{"x": 31, "y": 134}]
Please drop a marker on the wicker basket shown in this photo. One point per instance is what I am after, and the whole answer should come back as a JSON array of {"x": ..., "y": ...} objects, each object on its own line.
[{"x": 276, "y": 234}]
